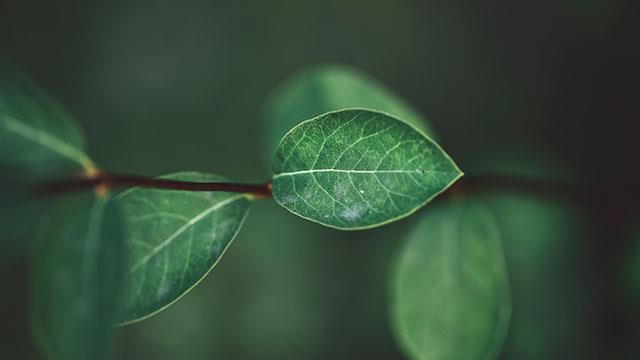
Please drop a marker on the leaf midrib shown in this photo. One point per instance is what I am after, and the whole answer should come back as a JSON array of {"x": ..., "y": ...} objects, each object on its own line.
[
  {"x": 47, "y": 140},
  {"x": 311, "y": 171},
  {"x": 166, "y": 242}
]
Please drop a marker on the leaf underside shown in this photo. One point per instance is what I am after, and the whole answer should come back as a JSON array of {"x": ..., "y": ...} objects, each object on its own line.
[
  {"x": 324, "y": 88},
  {"x": 77, "y": 268},
  {"x": 356, "y": 169},
  {"x": 174, "y": 239},
  {"x": 451, "y": 296}
]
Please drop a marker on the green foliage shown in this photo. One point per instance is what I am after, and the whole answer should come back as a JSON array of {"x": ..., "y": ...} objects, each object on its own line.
[
  {"x": 356, "y": 169},
  {"x": 543, "y": 238},
  {"x": 321, "y": 89},
  {"x": 348, "y": 168},
  {"x": 275, "y": 290},
  {"x": 36, "y": 134},
  {"x": 540, "y": 239},
  {"x": 450, "y": 291},
  {"x": 77, "y": 269},
  {"x": 37, "y": 138},
  {"x": 174, "y": 238},
  {"x": 19, "y": 215}
]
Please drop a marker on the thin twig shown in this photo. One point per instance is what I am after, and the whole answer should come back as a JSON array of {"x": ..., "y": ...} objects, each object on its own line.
[{"x": 109, "y": 180}]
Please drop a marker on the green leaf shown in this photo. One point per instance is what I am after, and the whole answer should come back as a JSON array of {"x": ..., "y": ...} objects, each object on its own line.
[
  {"x": 544, "y": 241},
  {"x": 77, "y": 269},
  {"x": 450, "y": 291},
  {"x": 321, "y": 89},
  {"x": 36, "y": 134},
  {"x": 356, "y": 169},
  {"x": 544, "y": 246},
  {"x": 38, "y": 139},
  {"x": 175, "y": 238},
  {"x": 20, "y": 212}
]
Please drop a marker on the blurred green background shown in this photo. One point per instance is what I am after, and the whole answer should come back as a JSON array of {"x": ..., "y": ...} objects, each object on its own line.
[{"x": 165, "y": 86}]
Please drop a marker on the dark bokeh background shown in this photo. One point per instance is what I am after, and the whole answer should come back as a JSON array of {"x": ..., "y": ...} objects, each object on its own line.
[{"x": 179, "y": 85}]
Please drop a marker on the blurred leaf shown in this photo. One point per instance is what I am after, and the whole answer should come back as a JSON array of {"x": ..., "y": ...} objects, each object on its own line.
[
  {"x": 175, "y": 238},
  {"x": 77, "y": 269},
  {"x": 36, "y": 134},
  {"x": 356, "y": 169},
  {"x": 321, "y": 89},
  {"x": 543, "y": 243},
  {"x": 19, "y": 215},
  {"x": 451, "y": 297},
  {"x": 37, "y": 137}
]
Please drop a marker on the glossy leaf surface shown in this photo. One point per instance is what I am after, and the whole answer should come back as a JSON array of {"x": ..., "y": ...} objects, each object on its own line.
[
  {"x": 77, "y": 269},
  {"x": 450, "y": 295},
  {"x": 174, "y": 238},
  {"x": 356, "y": 169},
  {"x": 326, "y": 88}
]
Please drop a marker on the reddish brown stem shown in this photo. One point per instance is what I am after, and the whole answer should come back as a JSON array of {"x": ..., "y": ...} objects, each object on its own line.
[{"x": 109, "y": 180}]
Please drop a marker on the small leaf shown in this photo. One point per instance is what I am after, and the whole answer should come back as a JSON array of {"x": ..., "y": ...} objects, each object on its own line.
[
  {"x": 175, "y": 238},
  {"x": 321, "y": 89},
  {"x": 450, "y": 295},
  {"x": 77, "y": 269},
  {"x": 356, "y": 169},
  {"x": 36, "y": 134}
]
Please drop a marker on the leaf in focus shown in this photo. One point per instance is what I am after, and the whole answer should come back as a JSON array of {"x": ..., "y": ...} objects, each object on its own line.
[
  {"x": 450, "y": 291},
  {"x": 77, "y": 269},
  {"x": 325, "y": 88},
  {"x": 37, "y": 136},
  {"x": 357, "y": 169},
  {"x": 174, "y": 238}
]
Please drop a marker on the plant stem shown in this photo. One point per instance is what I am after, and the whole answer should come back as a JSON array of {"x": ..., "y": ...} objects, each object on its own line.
[
  {"x": 102, "y": 180},
  {"x": 468, "y": 184}
]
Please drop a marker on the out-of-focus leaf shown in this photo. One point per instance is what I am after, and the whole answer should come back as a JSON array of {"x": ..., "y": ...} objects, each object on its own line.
[
  {"x": 77, "y": 269},
  {"x": 326, "y": 88},
  {"x": 174, "y": 238},
  {"x": 37, "y": 136},
  {"x": 544, "y": 242},
  {"x": 450, "y": 291},
  {"x": 356, "y": 169},
  {"x": 543, "y": 246},
  {"x": 20, "y": 212}
]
